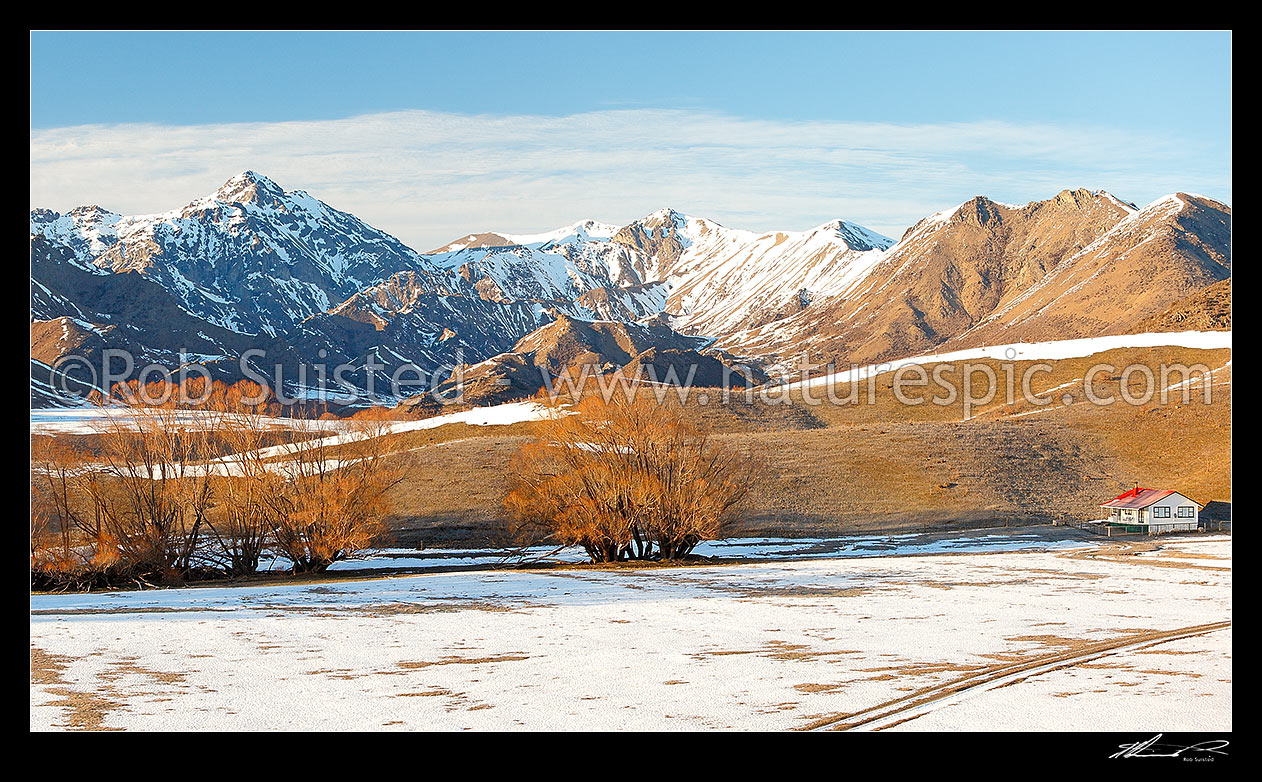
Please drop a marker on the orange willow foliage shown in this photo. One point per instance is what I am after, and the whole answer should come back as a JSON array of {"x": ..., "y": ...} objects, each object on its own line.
[
  {"x": 331, "y": 497},
  {"x": 65, "y": 532},
  {"x": 628, "y": 478},
  {"x": 176, "y": 491}
]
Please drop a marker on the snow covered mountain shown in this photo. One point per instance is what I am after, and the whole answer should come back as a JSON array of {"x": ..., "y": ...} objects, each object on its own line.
[
  {"x": 715, "y": 280},
  {"x": 255, "y": 266},
  {"x": 723, "y": 280},
  {"x": 251, "y": 257},
  {"x": 553, "y": 265}
]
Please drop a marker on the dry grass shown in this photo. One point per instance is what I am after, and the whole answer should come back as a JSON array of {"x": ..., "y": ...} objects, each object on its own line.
[
  {"x": 85, "y": 710},
  {"x": 503, "y": 658},
  {"x": 887, "y": 466}
]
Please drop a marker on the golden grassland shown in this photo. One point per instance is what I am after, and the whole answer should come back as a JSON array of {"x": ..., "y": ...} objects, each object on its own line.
[{"x": 884, "y": 465}]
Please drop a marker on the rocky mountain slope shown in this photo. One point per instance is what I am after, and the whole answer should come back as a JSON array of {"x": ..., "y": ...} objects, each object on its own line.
[
  {"x": 253, "y": 266},
  {"x": 1208, "y": 309},
  {"x": 569, "y": 352},
  {"x": 1155, "y": 256},
  {"x": 723, "y": 280},
  {"x": 1080, "y": 264},
  {"x": 250, "y": 257}
]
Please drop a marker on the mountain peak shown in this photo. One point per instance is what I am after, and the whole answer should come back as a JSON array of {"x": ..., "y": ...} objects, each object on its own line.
[
  {"x": 1075, "y": 194},
  {"x": 663, "y": 216},
  {"x": 978, "y": 210},
  {"x": 856, "y": 236},
  {"x": 582, "y": 231},
  {"x": 1127, "y": 205},
  {"x": 90, "y": 211},
  {"x": 248, "y": 186},
  {"x": 1081, "y": 197}
]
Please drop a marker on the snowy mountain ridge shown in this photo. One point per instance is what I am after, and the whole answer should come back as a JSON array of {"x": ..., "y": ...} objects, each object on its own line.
[{"x": 255, "y": 263}]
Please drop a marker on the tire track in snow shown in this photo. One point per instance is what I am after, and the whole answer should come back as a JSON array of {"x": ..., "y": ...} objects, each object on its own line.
[{"x": 916, "y": 703}]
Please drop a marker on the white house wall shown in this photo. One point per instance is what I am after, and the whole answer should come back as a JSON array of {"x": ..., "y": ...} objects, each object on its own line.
[{"x": 1173, "y": 502}]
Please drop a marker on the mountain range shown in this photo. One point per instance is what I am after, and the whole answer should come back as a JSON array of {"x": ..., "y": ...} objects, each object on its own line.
[{"x": 256, "y": 267}]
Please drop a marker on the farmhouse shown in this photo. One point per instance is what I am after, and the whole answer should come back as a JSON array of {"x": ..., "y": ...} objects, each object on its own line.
[{"x": 1153, "y": 511}]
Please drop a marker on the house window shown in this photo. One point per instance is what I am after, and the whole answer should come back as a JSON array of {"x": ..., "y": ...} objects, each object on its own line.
[
  {"x": 1186, "y": 511},
  {"x": 1161, "y": 512}
]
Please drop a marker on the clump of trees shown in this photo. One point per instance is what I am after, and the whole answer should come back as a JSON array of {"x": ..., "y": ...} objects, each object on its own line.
[
  {"x": 628, "y": 478},
  {"x": 167, "y": 493}
]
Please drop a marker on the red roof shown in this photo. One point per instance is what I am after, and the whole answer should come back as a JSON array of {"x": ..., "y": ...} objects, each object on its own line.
[{"x": 1138, "y": 497}]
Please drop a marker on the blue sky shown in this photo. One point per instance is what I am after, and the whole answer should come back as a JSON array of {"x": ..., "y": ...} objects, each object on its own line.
[{"x": 431, "y": 135}]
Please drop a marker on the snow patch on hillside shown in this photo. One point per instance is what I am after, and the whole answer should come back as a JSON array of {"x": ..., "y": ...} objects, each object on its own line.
[{"x": 1035, "y": 351}]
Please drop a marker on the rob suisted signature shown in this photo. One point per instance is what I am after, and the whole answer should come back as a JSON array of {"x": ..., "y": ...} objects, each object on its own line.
[{"x": 1151, "y": 749}]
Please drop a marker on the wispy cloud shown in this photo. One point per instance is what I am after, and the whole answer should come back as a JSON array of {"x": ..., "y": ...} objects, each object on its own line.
[{"x": 429, "y": 177}]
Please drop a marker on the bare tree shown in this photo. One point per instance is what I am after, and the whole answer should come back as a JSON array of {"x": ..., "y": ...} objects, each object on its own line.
[
  {"x": 333, "y": 496},
  {"x": 181, "y": 489},
  {"x": 240, "y": 523},
  {"x": 66, "y": 535},
  {"x": 152, "y": 489},
  {"x": 627, "y": 478}
]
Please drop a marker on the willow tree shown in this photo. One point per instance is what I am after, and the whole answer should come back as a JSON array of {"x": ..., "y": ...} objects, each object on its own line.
[
  {"x": 626, "y": 478},
  {"x": 333, "y": 494}
]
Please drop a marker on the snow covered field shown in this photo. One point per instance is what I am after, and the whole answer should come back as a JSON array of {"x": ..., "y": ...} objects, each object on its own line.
[
  {"x": 1033, "y": 351},
  {"x": 92, "y": 420},
  {"x": 1114, "y": 635}
]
